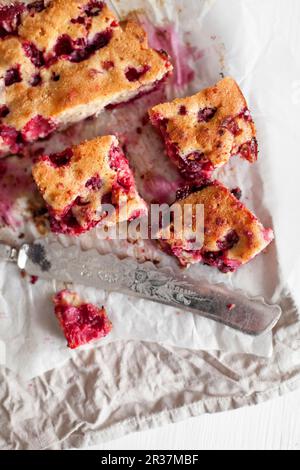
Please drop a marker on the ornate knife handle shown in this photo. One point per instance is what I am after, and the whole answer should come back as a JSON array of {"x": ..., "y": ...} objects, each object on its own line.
[{"x": 214, "y": 301}]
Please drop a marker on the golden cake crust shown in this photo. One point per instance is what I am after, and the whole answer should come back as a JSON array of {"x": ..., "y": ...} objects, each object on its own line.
[
  {"x": 205, "y": 122},
  {"x": 86, "y": 81},
  {"x": 44, "y": 28},
  {"x": 60, "y": 186}
]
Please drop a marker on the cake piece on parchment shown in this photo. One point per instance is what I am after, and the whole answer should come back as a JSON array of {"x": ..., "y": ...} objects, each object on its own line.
[
  {"x": 77, "y": 182},
  {"x": 63, "y": 61},
  {"x": 232, "y": 233},
  {"x": 203, "y": 131},
  {"x": 81, "y": 322}
]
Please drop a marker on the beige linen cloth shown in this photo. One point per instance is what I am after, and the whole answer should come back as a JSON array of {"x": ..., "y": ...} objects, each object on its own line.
[
  {"x": 128, "y": 386},
  {"x": 131, "y": 386}
]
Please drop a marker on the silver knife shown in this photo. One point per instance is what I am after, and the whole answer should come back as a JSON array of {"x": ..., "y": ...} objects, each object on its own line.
[{"x": 47, "y": 260}]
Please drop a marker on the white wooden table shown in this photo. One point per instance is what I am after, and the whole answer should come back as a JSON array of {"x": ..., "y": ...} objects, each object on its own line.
[{"x": 274, "y": 425}]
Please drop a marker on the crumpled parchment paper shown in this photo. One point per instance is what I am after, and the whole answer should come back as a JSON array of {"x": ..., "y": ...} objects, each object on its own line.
[{"x": 112, "y": 389}]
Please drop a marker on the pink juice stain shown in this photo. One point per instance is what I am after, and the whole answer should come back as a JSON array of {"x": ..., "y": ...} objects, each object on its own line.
[
  {"x": 15, "y": 182},
  {"x": 167, "y": 38},
  {"x": 160, "y": 189}
]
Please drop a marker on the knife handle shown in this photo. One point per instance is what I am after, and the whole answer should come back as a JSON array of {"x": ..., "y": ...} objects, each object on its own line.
[{"x": 235, "y": 309}]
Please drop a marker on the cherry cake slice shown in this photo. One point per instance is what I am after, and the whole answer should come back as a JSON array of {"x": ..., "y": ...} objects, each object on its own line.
[
  {"x": 63, "y": 61},
  {"x": 81, "y": 322},
  {"x": 203, "y": 131},
  {"x": 232, "y": 234},
  {"x": 81, "y": 184}
]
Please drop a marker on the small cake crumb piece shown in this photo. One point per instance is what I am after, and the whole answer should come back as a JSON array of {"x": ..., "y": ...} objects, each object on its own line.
[{"x": 81, "y": 322}]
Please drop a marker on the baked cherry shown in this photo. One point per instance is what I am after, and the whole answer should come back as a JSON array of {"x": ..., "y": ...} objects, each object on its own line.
[
  {"x": 119, "y": 163},
  {"x": 38, "y": 128},
  {"x": 108, "y": 64},
  {"x": 95, "y": 183},
  {"x": 67, "y": 224},
  {"x": 231, "y": 125},
  {"x": 93, "y": 8},
  {"x": 11, "y": 137},
  {"x": 33, "y": 53},
  {"x": 219, "y": 261},
  {"x": 245, "y": 114},
  {"x": 12, "y": 76},
  {"x": 36, "y": 7},
  {"x": 237, "y": 192},
  {"x": 80, "y": 50},
  {"x": 133, "y": 74},
  {"x": 78, "y": 20},
  {"x": 4, "y": 111},
  {"x": 61, "y": 158},
  {"x": 125, "y": 180},
  {"x": 99, "y": 41},
  {"x": 63, "y": 46},
  {"x": 249, "y": 150},
  {"x": 229, "y": 241},
  {"x": 107, "y": 198},
  {"x": 206, "y": 114},
  {"x": 81, "y": 202},
  {"x": 116, "y": 158},
  {"x": 183, "y": 110},
  {"x": 185, "y": 191},
  {"x": 10, "y": 18},
  {"x": 55, "y": 77}
]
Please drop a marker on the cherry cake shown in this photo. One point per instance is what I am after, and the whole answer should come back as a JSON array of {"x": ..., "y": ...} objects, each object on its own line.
[
  {"x": 232, "y": 234},
  {"x": 79, "y": 183},
  {"x": 62, "y": 61},
  {"x": 81, "y": 322},
  {"x": 203, "y": 131}
]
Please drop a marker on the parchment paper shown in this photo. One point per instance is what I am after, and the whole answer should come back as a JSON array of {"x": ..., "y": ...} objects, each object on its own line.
[{"x": 257, "y": 42}]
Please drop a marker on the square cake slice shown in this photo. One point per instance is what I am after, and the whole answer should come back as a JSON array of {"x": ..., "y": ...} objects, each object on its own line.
[
  {"x": 79, "y": 182},
  {"x": 203, "y": 131},
  {"x": 232, "y": 234},
  {"x": 81, "y": 322},
  {"x": 63, "y": 61}
]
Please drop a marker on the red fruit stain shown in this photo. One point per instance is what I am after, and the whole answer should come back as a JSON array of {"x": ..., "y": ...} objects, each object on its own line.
[
  {"x": 15, "y": 182},
  {"x": 183, "y": 55}
]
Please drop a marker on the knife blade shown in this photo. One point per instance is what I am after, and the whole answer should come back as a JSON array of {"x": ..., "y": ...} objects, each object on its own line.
[{"x": 50, "y": 260}]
